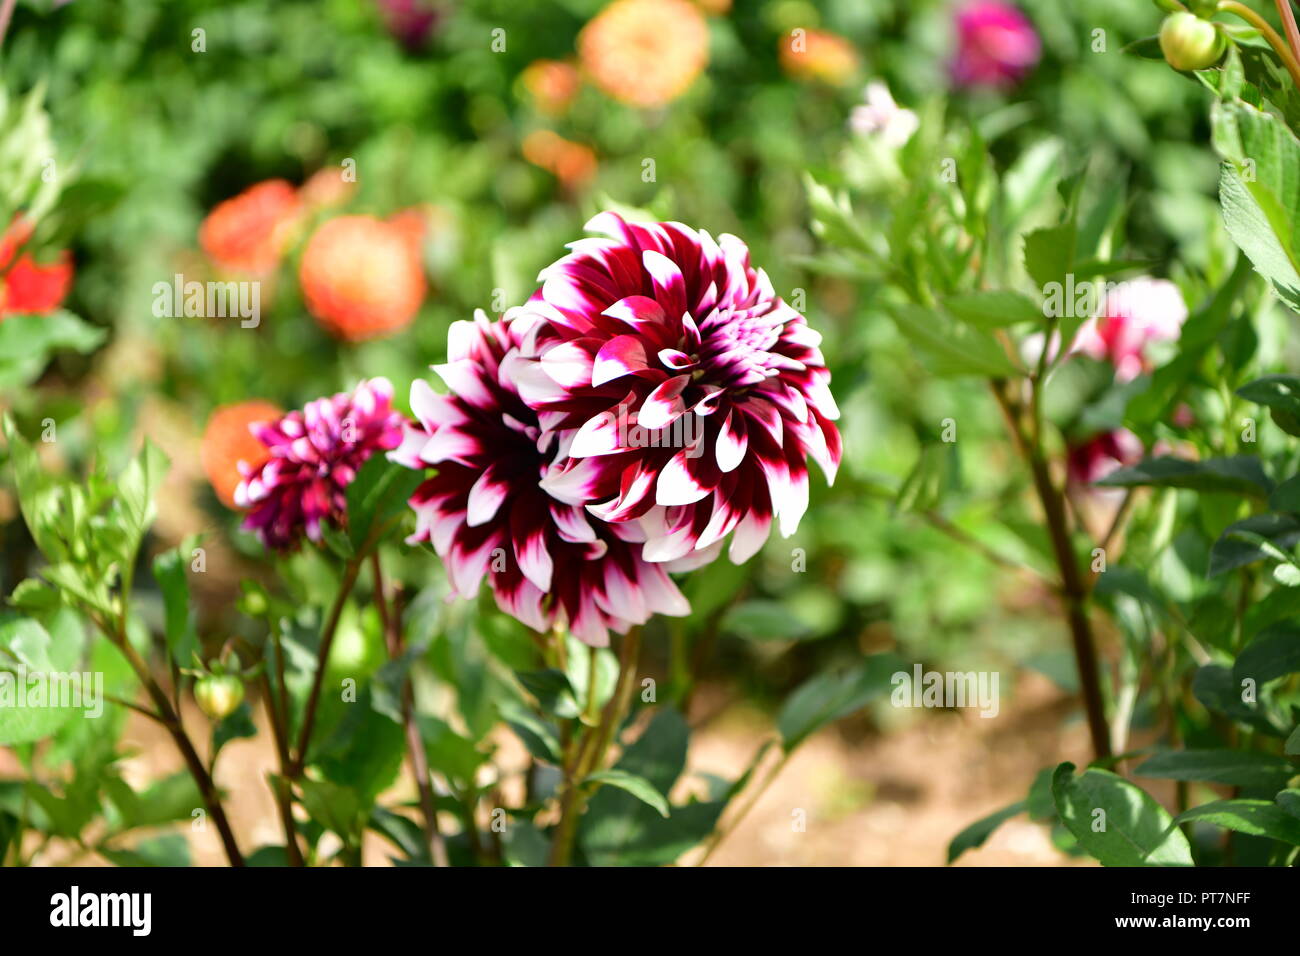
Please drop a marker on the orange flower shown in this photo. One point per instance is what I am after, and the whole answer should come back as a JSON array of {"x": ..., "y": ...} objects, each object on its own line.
[
  {"x": 413, "y": 223},
  {"x": 571, "y": 163},
  {"x": 26, "y": 286},
  {"x": 326, "y": 188},
  {"x": 361, "y": 277},
  {"x": 227, "y": 441},
  {"x": 645, "y": 52},
  {"x": 552, "y": 85},
  {"x": 250, "y": 232},
  {"x": 818, "y": 55}
]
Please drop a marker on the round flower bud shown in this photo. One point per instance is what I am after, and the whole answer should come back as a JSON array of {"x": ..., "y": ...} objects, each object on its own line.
[
  {"x": 1190, "y": 43},
  {"x": 218, "y": 695}
]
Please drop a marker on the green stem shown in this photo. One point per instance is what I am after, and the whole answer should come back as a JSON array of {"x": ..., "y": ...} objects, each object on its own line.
[
  {"x": 589, "y": 758},
  {"x": 350, "y": 572},
  {"x": 1266, "y": 30}
]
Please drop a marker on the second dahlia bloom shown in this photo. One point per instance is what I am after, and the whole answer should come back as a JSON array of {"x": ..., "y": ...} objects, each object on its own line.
[
  {"x": 362, "y": 277},
  {"x": 313, "y": 456},
  {"x": 687, "y": 395},
  {"x": 251, "y": 232},
  {"x": 486, "y": 513},
  {"x": 1132, "y": 315},
  {"x": 28, "y": 286},
  {"x": 1093, "y": 459},
  {"x": 645, "y": 52},
  {"x": 996, "y": 44}
]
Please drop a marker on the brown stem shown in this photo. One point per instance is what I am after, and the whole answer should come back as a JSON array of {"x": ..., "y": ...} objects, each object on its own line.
[
  {"x": 1074, "y": 590},
  {"x": 172, "y": 721},
  {"x": 1289, "y": 25},
  {"x": 416, "y": 758},
  {"x": 280, "y": 786},
  {"x": 322, "y": 658}
]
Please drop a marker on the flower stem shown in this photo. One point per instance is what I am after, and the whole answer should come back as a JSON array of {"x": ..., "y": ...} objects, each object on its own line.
[
  {"x": 350, "y": 573},
  {"x": 1074, "y": 589},
  {"x": 1279, "y": 45},
  {"x": 589, "y": 758},
  {"x": 170, "y": 719},
  {"x": 416, "y": 757},
  {"x": 280, "y": 786},
  {"x": 1289, "y": 25}
]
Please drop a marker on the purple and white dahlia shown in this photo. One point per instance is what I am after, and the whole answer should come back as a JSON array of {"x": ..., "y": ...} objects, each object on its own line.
[
  {"x": 485, "y": 510},
  {"x": 686, "y": 396},
  {"x": 315, "y": 454}
]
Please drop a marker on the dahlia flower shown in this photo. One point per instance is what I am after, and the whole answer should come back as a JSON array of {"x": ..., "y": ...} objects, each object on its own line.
[
  {"x": 486, "y": 512},
  {"x": 552, "y": 85},
  {"x": 229, "y": 442},
  {"x": 1132, "y": 315},
  {"x": 314, "y": 455},
  {"x": 26, "y": 286},
  {"x": 818, "y": 55},
  {"x": 645, "y": 52},
  {"x": 251, "y": 232},
  {"x": 686, "y": 395},
  {"x": 996, "y": 44},
  {"x": 1092, "y": 460},
  {"x": 362, "y": 277}
]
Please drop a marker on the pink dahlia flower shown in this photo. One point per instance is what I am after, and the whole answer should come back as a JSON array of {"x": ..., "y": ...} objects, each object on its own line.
[
  {"x": 687, "y": 395},
  {"x": 485, "y": 510},
  {"x": 315, "y": 454},
  {"x": 1133, "y": 314},
  {"x": 996, "y": 44},
  {"x": 1094, "y": 459}
]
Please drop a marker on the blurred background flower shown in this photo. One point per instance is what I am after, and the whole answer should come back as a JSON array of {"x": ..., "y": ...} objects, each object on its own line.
[{"x": 645, "y": 52}]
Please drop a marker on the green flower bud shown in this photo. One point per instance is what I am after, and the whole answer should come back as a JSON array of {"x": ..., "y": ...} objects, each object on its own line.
[
  {"x": 1190, "y": 43},
  {"x": 219, "y": 696}
]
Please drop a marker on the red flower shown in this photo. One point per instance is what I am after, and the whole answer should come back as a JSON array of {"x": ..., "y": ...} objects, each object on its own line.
[{"x": 26, "y": 286}]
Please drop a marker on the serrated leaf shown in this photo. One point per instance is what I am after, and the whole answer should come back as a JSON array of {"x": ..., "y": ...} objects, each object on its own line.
[{"x": 1117, "y": 822}]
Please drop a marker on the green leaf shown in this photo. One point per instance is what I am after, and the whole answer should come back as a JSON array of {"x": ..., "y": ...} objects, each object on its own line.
[
  {"x": 555, "y": 695},
  {"x": 336, "y": 808},
  {"x": 238, "y": 725},
  {"x": 951, "y": 349},
  {"x": 832, "y": 695},
  {"x": 1241, "y": 474},
  {"x": 1235, "y": 767},
  {"x": 1273, "y": 654},
  {"x": 1286, "y": 496},
  {"x": 1259, "y": 189},
  {"x": 1252, "y": 539},
  {"x": 1117, "y": 822},
  {"x": 449, "y": 753},
  {"x": 979, "y": 831},
  {"x": 639, "y": 787},
  {"x": 29, "y": 655},
  {"x": 170, "y": 849},
  {"x": 169, "y": 571},
  {"x": 1280, "y": 394},
  {"x": 1049, "y": 254},
  {"x": 172, "y": 798},
  {"x": 134, "y": 505},
  {"x": 376, "y": 496},
  {"x": 1254, "y": 817},
  {"x": 993, "y": 310},
  {"x": 1293, "y": 742}
]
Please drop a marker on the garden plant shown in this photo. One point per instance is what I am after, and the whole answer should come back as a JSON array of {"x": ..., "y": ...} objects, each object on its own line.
[{"x": 474, "y": 433}]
